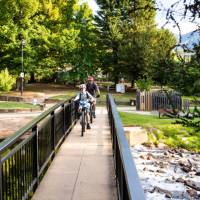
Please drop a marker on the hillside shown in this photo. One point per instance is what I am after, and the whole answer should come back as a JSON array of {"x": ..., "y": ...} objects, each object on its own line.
[{"x": 190, "y": 39}]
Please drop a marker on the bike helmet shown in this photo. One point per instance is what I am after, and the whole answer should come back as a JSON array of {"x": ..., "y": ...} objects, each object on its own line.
[
  {"x": 90, "y": 78},
  {"x": 82, "y": 86}
]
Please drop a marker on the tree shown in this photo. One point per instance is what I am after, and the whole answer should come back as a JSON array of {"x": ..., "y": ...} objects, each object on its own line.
[
  {"x": 51, "y": 32},
  {"x": 164, "y": 62},
  {"x": 129, "y": 39},
  {"x": 84, "y": 54}
]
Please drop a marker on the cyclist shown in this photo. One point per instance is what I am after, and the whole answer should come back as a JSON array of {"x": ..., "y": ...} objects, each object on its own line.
[
  {"x": 84, "y": 98},
  {"x": 93, "y": 89}
]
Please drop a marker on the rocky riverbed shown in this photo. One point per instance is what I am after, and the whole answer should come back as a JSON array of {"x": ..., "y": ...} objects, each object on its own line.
[{"x": 168, "y": 173}]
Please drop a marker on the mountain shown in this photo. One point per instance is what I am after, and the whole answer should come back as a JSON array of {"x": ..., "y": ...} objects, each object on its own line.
[{"x": 190, "y": 39}]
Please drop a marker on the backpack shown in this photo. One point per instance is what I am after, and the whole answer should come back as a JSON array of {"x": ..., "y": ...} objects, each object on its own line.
[{"x": 86, "y": 94}]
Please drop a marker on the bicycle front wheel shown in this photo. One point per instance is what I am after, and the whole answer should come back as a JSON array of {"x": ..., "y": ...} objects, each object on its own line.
[
  {"x": 83, "y": 124},
  {"x": 91, "y": 116}
]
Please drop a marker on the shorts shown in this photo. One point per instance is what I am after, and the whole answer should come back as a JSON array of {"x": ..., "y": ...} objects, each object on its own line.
[{"x": 84, "y": 104}]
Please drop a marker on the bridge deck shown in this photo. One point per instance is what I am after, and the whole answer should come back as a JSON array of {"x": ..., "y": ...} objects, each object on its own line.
[{"x": 83, "y": 167}]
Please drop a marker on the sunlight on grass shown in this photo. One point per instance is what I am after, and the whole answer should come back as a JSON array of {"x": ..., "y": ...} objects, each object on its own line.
[
  {"x": 69, "y": 94},
  {"x": 16, "y": 105}
]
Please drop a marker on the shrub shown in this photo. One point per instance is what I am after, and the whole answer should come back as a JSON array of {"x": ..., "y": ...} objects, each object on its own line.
[
  {"x": 6, "y": 80},
  {"x": 144, "y": 84}
]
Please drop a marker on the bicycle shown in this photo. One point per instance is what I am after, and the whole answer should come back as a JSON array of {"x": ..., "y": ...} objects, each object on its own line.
[
  {"x": 83, "y": 116},
  {"x": 91, "y": 112}
]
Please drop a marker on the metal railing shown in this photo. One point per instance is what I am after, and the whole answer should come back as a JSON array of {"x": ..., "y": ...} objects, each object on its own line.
[
  {"x": 128, "y": 183},
  {"x": 26, "y": 155}
]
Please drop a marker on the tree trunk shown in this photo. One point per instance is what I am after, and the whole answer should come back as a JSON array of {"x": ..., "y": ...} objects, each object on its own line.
[
  {"x": 132, "y": 83},
  {"x": 32, "y": 79},
  {"x": 115, "y": 61},
  {"x": 116, "y": 80}
]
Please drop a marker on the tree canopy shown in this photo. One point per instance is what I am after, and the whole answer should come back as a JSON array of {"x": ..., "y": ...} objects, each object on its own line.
[
  {"x": 121, "y": 40},
  {"x": 57, "y": 34}
]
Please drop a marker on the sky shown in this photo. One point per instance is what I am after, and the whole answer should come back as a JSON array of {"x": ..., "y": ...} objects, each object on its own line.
[{"x": 161, "y": 16}]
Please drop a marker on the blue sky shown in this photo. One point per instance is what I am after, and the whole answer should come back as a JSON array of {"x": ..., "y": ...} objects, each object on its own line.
[{"x": 160, "y": 18}]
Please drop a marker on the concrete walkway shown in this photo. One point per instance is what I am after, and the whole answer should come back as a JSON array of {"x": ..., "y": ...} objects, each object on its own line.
[{"x": 83, "y": 167}]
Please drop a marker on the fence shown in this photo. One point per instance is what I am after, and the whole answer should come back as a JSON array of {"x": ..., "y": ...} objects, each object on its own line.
[
  {"x": 26, "y": 155},
  {"x": 147, "y": 101},
  {"x": 128, "y": 183}
]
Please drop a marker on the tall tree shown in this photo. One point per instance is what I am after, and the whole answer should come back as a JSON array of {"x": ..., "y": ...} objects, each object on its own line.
[
  {"x": 53, "y": 31},
  {"x": 125, "y": 29}
]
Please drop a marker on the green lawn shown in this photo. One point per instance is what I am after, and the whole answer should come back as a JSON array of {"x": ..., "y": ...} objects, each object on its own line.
[
  {"x": 130, "y": 119},
  {"x": 190, "y": 98},
  {"x": 68, "y": 95},
  {"x": 16, "y": 105},
  {"x": 163, "y": 130}
]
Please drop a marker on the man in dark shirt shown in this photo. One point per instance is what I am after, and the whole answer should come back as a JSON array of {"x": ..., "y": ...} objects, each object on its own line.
[{"x": 93, "y": 89}]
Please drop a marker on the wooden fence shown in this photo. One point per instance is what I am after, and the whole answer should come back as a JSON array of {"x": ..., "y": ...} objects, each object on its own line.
[{"x": 147, "y": 101}]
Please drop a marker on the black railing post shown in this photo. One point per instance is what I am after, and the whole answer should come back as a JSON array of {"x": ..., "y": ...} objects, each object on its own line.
[
  {"x": 53, "y": 133},
  {"x": 127, "y": 180},
  {"x": 63, "y": 118},
  {"x": 1, "y": 180},
  {"x": 35, "y": 155}
]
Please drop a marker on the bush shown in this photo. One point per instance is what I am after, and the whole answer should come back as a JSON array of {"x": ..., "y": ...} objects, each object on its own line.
[
  {"x": 6, "y": 80},
  {"x": 144, "y": 84}
]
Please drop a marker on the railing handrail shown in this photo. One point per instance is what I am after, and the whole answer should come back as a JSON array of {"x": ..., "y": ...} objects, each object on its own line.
[
  {"x": 134, "y": 187},
  {"x": 13, "y": 138}
]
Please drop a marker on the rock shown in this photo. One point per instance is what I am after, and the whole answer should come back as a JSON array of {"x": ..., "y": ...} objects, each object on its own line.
[
  {"x": 192, "y": 184},
  {"x": 167, "y": 193},
  {"x": 178, "y": 195},
  {"x": 145, "y": 169},
  {"x": 192, "y": 193},
  {"x": 168, "y": 180},
  {"x": 142, "y": 156},
  {"x": 162, "y": 164},
  {"x": 148, "y": 163},
  {"x": 180, "y": 180},
  {"x": 150, "y": 170},
  {"x": 197, "y": 173},
  {"x": 150, "y": 154},
  {"x": 166, "y": 153},
  {"x": 186, "y": 169},
  {"x": 160, "y": 171},
  {"x": 149, "y": 157}
]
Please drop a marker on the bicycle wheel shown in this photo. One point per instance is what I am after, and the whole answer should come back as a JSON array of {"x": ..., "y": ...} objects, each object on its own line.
[
  {"x": 91, "y": 115},
  {"x": 83, "y": 123}
]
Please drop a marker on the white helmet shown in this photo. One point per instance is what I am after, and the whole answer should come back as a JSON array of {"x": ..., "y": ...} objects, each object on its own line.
[{"x": 82, "y": 86}]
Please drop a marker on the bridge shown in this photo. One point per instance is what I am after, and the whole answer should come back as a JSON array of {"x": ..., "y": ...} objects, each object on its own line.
[{"x": 49, "y": 160}]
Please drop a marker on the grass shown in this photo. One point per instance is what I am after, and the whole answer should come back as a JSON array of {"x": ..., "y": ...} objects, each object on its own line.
[
  {"x": 130, "y": 119},
  {"x": 16, "y": 105},
  {"x": 69, "y": 94},
  {"x": 190, "y": 98},
  {"x": 164, "y": 130},
  {"x": 117, "y": 96}
]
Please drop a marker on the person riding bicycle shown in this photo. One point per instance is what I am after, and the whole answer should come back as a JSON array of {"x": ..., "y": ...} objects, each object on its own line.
[
  {"x": 93, "y": 89},
  {"x": 84, "y": 98}
]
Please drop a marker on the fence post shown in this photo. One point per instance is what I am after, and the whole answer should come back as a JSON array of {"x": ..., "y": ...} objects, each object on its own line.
[
  {"x": 53, "y": 142},
  {"x": 1, "y": 180},
  {"x": 63, "y": 118},
  {"x": 35, "y": 155}
]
